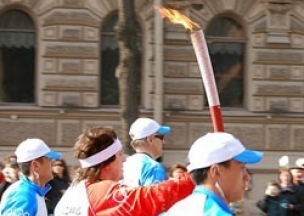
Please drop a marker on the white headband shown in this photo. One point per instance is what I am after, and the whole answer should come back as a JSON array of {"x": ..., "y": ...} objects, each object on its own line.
[{"x": 101, "y": 156}]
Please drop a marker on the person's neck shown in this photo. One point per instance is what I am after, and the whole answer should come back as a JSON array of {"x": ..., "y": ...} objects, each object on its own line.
[
  {"x": 40, "y": 183},
  {"x": 212, "y": 187},
  {"x": 145, "y": 151}
]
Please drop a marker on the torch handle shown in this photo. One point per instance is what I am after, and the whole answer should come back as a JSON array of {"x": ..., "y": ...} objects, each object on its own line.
[
  {"x": 217, "y": 120},
  {"x": 205, "y": 66}
]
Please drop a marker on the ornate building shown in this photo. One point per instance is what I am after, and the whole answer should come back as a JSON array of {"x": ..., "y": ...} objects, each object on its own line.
[{"x": 57, "y": 73}]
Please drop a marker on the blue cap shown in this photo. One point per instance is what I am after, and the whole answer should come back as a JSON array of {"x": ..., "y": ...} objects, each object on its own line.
[
  {"x": 163, "y": 130},
  {"x": 53, "y": 155},
  {"x": 249, "y": 157}
]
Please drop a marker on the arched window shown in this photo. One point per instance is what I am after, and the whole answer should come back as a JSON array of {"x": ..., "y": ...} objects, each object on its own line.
[
  {"x": 17, "y": 57},
  {"x": 226, "y": 44},
  {"x": 109, "y": 94}
]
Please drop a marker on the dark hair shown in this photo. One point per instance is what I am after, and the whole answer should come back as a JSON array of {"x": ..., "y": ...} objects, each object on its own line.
[
  {"x": 65, "y": 172},
  {"x": 89, "y": 143},
  {"x": 200, "y": 175},
  {"x": 10, "y": 159},
  {"x": 177, "y": 166}
]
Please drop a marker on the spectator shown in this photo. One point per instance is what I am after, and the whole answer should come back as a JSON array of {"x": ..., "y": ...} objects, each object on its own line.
[
  {"x": 11, "y": 170},
  {"x": 273, "y": 204},
  {"x": 297, "y": 175},
  {"x": 176, "y": 170},
  {"x": 26, "y": 196},
  {"x": 3, "y": 184},
  {"x": 290, "y": 192},
  {"x": 142, "y": 168},
  {"x": 217, "y": 165},
  {"x": 59, "y": 184},
  {"x": 96, "y": 190}
]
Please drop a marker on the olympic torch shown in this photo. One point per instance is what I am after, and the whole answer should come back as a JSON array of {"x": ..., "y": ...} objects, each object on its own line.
[{"x": 202, "y": 55}]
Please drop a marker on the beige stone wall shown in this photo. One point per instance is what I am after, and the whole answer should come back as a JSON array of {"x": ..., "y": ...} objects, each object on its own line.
[{"x": 68, "y": 62}]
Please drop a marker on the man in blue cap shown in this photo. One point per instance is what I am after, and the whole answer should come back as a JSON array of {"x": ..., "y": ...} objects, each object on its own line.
[
  {"x": 147, "y": 139},
  {"x": 218, "y": 167},
  {"x": 26, "y": 196}
]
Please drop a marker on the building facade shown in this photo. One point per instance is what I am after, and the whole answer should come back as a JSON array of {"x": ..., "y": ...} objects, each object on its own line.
[{"x": 57, "y": 72}]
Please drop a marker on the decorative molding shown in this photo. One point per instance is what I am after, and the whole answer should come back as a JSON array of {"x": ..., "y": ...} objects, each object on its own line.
[
  {"x": 79, "y": 83},
  {"x": 182, "y": 86},
  {"x": 281, "y": 57},
  {"x": 175, "y": 102},
  {"x": 277, "y": 72},
  {"x": 90, "y": 99},
  {"x": 70, "y": 66},
  {"x": 90, "y": 67},
  {"x": 71, "y": 33},
  {"x": 279, "y": 7},
  {"x": 50, "y": 32},
  {"x": 71, "y": 18},
  {"x": 258, "y": 72},
  {"x": 296, "y": 105},
  {"x": 258, "y": 104},
  {"x": 297, "y": 40},
  {"x": 49, "y": 98},
  {"x": 267, "y": 88},
  {"x": 195, "y": 102},
  {"x": 65, "y": 51},
  {"x": 194, "y": 71},
  {"x": 49, "y": 65},
  {"x": 69, "y": 99},
  {"x": 91, "y": 34},
  {"x": 179, "y": 53},
  {"x": 277, "y": 104},
  {"x": 72, "y": 3},
  {"x": 176, "y": 69},
  {"x": 297, "y": 73}
]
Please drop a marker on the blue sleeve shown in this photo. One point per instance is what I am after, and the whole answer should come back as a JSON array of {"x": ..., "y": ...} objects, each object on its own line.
[
  {"x": 19, "y": 204},
  {"x": 152, "y": 174}
]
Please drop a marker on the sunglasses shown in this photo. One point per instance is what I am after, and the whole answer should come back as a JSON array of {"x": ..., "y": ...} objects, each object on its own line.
[
  {"x": 159, "y": 136},
  {"x": 60, "y": 165}
]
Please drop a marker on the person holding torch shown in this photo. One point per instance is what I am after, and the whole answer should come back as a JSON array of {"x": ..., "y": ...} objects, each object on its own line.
[{"x": 218, "y": 167}]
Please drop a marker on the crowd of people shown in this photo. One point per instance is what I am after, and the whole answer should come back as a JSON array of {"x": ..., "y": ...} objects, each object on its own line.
[
  {"x": 36, "y": 180},
  {"x": 284, "y": 196}
]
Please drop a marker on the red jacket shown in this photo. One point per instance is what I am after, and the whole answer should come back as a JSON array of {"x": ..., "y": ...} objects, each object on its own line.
[{"x": 109, "y": 198}]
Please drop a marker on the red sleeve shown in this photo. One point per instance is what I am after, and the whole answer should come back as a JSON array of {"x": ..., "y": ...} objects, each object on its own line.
[{"x": 112, "y": 199}]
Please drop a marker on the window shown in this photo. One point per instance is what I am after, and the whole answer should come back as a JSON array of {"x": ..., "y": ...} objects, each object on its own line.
[
  {"x": 109, "y": 61},
  {"x": 226, "y": 44},
  {"x": 17, "y": 57}
]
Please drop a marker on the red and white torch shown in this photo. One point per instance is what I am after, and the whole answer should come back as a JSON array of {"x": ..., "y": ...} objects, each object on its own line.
[{"x": 201, "y": 51}]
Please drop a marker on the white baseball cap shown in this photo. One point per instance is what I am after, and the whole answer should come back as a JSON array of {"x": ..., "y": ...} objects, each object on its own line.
[
  {"x": 144, "y": 127},
  {"x": 299, "y": 163},
  {"x": 218, "y": 147},
  {"x": 31, "y": 149}
]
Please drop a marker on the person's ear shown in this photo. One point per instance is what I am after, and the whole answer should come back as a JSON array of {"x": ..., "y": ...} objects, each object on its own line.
[
  {"x": 35, "y": 166},
  {"x": 215, "y": 171}
]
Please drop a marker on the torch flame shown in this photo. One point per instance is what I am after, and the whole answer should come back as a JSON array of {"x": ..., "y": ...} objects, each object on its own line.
[{"x": 177, "y": 18}]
